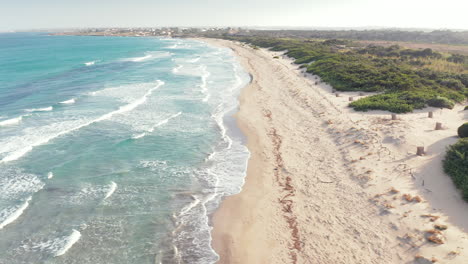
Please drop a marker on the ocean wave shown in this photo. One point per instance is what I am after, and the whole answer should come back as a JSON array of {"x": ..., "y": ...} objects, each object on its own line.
[
  {"x": 164, "y": 122},
  {"x": 191, "y": 205},
  {"x": 9, "y": 215},
  {"x": 174, "y": 46},
  {"x": 176, "y": 69},
  {"x": 111, "y": 189},
  {"x": 179, "y": 45},
  {"x": 204, "y": 82},
  {"x": 223, "y": 174},
  {"x": 194, "y": 60},
  {"x": 204, "y": 77},
  {"x": 138, "y": 136},
  {"x": 14, "y": 155},
  {"x": 12, "y": 121},
  {"x": 150, "y": 55},
  {"x": 50, "y": 175},
  {"x": 58, "y": 246},
  {"x": 71, "y": 101},
  {"x": 68, "y": 242},
  {"x": 160, "y": 123},
  {"x": 90, "y": 194},
  {"x": 44, "y": 109},
  {"x": 90, "y": 63},
  {"x": 16, "y": 184},
  {"x": 137, "y": 59}
]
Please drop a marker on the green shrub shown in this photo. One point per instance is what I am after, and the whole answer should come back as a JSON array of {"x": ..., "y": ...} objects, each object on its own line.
[
  {"x": 441, "y": 102},
  {"x": 275, "y": 57},
  {"x": 392, "y": 102},
  {"x": 466, "y": 107},
  {"x": 463, "y": 131},
  {"x": 456, "y": 165},
  {"x": 452, "y": 84},
  {"x": 397, "y": 102}
]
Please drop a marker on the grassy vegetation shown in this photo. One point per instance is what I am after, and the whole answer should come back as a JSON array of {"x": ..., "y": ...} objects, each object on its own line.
[
  {"x": 456, "y": 165},
  {"x": 438, "y": 36},
  {"x": 406, "y": 79}
]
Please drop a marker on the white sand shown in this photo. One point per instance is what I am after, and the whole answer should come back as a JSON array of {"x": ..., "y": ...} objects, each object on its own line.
[{"x": 317, "y": 189}]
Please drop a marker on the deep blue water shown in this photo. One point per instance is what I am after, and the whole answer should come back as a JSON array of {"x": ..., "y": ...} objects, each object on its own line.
[{"x": 115, "y": 150}]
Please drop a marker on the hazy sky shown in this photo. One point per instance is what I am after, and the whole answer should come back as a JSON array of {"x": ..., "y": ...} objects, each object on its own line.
[{"x": 32, "y": 14}]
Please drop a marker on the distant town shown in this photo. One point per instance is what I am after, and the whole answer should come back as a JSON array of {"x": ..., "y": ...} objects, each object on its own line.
[
  {"x": 160, "y": 32},
  {"x": 381, "y": 36}
]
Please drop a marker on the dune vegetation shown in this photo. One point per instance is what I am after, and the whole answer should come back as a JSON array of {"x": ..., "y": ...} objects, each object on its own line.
[
  {"x": 456, "y": 165},
  {"x": 405, "y": 79}
]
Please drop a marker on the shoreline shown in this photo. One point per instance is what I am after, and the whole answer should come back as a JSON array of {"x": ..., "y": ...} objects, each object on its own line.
[{"x": 320, "y": 191}]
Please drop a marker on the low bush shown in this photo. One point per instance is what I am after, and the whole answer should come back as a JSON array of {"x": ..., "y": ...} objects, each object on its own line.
[
  {"x": 392, "y": 102},
  {"x": 401, "y": 102},
  {"x": 463, "y": 131},
  {"x": 452, "y": 84},
  {"x": 441, "y": 102},
  {"x": 456, "y": 165},
  {"x": 466, "y": 107}
]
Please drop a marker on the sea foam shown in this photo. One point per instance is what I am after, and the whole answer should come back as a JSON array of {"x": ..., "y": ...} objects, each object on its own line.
[
  {"x": 176, "y": 69},
  {"x": 12, "y": 121},
  {"x": 68, "y": 242},
  {"x": 21, "y": 152},
  {"x": 9, "y": 215},
  {"x": 194, "y": 60},
  {"x": 150, "y": 55},
  {"x": 111, "y": 190},
  {"x": 160, "y": 123},
  {"x": 164, "y": 121},
  {"x": 44, "y": 109},
  {"x": 204, "y": 83},
  {"x": 16, "y": 185},
  {"x": 137, "y": 59},
  {"x": 60, "y": 245},
  {"x": 71, "y": 101},
  {"x": 90, "y": 63}
]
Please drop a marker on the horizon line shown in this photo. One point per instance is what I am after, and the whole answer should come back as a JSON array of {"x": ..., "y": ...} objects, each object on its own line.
[{"x": 337, "y": 28}]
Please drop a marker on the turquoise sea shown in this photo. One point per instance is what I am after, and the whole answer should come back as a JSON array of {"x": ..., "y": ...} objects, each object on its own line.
[{"x": 113, "y": 149}]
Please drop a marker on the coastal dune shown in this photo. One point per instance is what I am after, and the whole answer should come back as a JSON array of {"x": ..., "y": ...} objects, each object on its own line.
[{"x": 326, "y": 184}]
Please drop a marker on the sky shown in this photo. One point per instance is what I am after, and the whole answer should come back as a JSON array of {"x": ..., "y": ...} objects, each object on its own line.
[{"x": 40, "y": 14}]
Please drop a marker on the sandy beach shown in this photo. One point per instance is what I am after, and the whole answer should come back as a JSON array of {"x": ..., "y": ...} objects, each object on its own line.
[{"x": 326, "y": 184}]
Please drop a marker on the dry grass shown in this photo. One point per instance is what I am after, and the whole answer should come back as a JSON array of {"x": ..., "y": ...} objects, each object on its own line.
[
  {"x": 444, "y": 66},
  {"x": 417, "y": 199},
  {"x": 433, "y": 231},
  {"x": 445, "y": 48},
  {"x": 435, "y": 239},
  {"x": 431, "y": 217},
  {"x": 410, "y": 198}
]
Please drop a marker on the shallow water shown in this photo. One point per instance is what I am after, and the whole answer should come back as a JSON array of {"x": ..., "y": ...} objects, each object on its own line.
[{"x": 115, "y": 150}]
